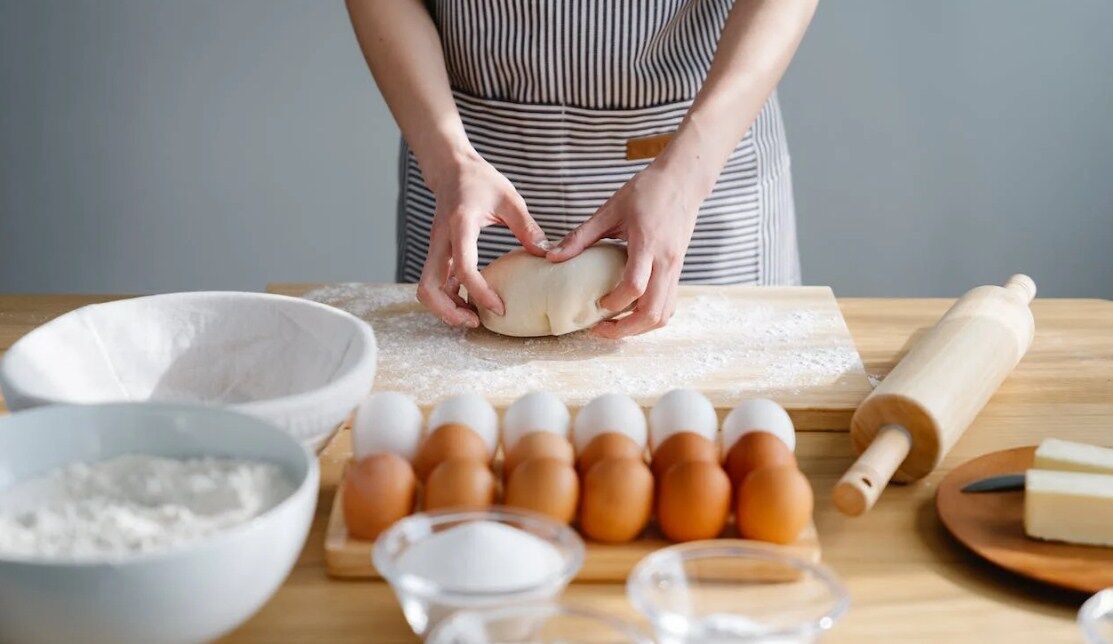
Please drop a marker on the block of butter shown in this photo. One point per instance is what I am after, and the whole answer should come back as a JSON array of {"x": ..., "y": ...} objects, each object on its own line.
[
  {"x": 1076, "y": 507},
  {"x": 1068, "y": 456}
]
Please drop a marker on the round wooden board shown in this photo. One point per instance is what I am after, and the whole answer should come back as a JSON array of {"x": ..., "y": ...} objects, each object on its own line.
[{"x": 992, "y": 525}]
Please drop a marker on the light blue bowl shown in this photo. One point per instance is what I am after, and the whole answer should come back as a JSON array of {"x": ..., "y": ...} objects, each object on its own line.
[{"x": 195, "y": 592}]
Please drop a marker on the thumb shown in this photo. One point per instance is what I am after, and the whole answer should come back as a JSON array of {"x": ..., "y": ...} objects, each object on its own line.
[
  {"x": 580, "y": 238},
  {"x": 517, "y": 218}
]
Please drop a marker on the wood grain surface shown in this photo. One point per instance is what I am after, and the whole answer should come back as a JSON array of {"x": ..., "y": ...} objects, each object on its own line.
[
  {"x": 811, "y": 367},
  {"x": 908, "y": 579},
  {"x": 992, "y": 525}
]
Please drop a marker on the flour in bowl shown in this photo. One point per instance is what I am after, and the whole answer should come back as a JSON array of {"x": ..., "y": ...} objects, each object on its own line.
[{"x": 133, "y": 504}]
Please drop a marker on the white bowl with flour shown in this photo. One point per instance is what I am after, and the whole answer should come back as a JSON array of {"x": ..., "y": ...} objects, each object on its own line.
[
  {"x": 126, "y": 554},
  {"x": 301, "y": 365}
]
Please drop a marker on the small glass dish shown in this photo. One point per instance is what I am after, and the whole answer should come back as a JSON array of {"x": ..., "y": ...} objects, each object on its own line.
[
  {"x": 542, "y": 623},
  {"x": 1095, "y": 618},
  {"x": 425, "y": 602},
  {"x": 737, "y": 591}
]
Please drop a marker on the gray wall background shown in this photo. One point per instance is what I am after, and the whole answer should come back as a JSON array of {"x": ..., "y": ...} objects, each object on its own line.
[{"x": 156, "y": 146}]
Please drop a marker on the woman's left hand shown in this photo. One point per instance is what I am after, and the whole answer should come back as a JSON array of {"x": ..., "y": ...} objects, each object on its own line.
[{"x": 655, "y": 212}]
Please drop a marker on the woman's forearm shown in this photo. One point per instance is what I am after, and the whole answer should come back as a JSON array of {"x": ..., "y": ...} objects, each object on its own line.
[
  {"x": 403, "y": 51},
  {"x": 757, "y": 43}
]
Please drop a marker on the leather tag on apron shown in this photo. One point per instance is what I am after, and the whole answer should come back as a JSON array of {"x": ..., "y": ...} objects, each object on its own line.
[{"x": 647, "y": 147}]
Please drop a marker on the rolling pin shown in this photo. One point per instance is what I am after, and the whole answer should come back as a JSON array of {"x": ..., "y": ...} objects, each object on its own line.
[{"x": 905, "y": 427}]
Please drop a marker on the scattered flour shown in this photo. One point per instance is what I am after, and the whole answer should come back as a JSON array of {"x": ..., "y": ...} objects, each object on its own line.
[
  {"x": 133, "y": 504},
  {"x": 482, "y": 556},
  {"x": 713, "y": 343}
]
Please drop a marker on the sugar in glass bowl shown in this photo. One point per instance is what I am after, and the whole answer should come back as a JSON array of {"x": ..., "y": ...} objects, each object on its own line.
[
  {"x": 544, "y": 623},
  {"x": 301, "y": 365},
  {"x": 443, "y": 561},
  {"x": 735, "y": 591}
]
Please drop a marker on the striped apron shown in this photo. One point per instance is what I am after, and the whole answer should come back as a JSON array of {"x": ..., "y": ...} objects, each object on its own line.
[{"x": 550, "y": 93}]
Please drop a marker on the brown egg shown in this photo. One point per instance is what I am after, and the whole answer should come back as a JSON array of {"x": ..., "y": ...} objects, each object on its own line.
[
  {"x": 774, "y": 504},
  {"x": 451, "y": 440},
  {"x": 538, "y": 445},
  {"x": 755, "y": 450},
  {"x": 693, "y": 501},
  {"x": 682, "y": 447},
  {"x": 611, "y": 445},
  {"x": 617, "y": 500},
  {"x": 546, "y": 485},
  {"x": 377, "y": 491},
  {"x": 460, "y": 483}
]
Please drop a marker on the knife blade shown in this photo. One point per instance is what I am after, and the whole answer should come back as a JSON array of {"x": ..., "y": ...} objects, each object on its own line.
[{"x": 999, "y": 483}]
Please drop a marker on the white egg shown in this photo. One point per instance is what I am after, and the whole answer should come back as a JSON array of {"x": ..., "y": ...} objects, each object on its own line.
[
  {"x": 682, "y": 410},
  {"x": 754, "y": 415},
  {"x": 386, "y": 421},
  {"x": 608, "y": 413},
  {"x": 538, "y": 411},
  {"x": 472, "y": 410}
]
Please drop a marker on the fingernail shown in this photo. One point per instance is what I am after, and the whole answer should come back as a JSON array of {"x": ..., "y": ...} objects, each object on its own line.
[{"x": 544, "y": 244}]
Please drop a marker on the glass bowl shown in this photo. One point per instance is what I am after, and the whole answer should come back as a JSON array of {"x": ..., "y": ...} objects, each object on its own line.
[
  {"x": 543, "y": 623},
  {"x": 737, "y": 591},
  {"x": 1095, "y": 618},
  {"x": 426, "y": 601}
]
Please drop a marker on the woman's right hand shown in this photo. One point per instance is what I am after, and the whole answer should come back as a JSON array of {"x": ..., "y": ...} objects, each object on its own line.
[{"x": 471, "y": 194}]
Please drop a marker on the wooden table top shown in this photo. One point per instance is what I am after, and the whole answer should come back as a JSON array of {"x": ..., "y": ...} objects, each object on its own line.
[{"x": 907, "y": 578}]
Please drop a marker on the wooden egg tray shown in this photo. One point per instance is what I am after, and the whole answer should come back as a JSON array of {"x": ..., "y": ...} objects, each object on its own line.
[{"x": 346, "y": 557}]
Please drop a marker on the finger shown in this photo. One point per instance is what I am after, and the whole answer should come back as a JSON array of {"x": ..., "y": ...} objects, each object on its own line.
[
  {"x": 465, "y": 262},
  {"x": 517, "y": 218},
  {"x": 649, "y": 313},
  {"x": 430, "y": 290},
  {"x": 670, "y": 299},
  {"x": 635, "y": 279},
  {"x": 452, "y": 288},
  {"x": 583, "y": 236}
]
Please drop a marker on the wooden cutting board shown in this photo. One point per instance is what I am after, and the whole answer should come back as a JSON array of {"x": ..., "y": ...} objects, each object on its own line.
[
  {"x": 351, "y": 558},
  {"x": 992, "y": 525},
  {"x": 790, "y": 344}
]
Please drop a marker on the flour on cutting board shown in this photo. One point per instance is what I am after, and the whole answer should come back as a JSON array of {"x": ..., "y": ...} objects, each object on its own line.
[{"x": 708, "y": 336}]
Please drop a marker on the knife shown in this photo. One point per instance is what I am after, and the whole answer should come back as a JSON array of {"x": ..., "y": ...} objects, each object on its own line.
[{"x": 999, "y": 483}]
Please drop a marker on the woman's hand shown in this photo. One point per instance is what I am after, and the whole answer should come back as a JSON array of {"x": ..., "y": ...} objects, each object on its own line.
[
  {"x": 655, "y": 212},
  {"x": 471, "y": 194}
]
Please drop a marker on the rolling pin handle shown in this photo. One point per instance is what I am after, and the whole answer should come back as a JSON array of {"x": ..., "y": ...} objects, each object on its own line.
[
  {"x": 863, "y": 483},
  {"x": 1024, "y": 285}
]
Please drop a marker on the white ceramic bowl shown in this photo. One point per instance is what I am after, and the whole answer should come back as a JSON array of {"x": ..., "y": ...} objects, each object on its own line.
[
  {"x": 301, "y": 365},
  {"x": 194, "y": 592}
]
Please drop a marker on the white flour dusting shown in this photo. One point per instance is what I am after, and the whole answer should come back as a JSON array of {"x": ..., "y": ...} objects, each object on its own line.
[
  {"x": 133, "y": 504},
  {"x": 741, "y": 348}
]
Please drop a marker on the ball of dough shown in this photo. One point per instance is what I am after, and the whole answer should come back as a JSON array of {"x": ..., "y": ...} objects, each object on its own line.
[{"x": 543, "y": 298}]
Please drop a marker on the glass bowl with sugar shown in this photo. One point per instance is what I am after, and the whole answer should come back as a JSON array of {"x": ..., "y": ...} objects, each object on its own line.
[{"x": 444, "y": 561}]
